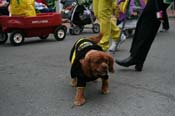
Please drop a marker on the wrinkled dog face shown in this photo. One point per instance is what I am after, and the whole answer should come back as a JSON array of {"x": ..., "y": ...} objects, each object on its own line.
[{"x": 97, "y": 63}]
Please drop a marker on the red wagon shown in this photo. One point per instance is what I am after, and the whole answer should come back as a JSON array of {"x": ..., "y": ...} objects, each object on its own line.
[{"x": 41, "y": 25}]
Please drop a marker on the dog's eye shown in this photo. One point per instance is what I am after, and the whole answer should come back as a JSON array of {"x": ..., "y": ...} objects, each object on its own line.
[
  {"x": 97, "y": 62},
  {"x": 105, "y": 60}
]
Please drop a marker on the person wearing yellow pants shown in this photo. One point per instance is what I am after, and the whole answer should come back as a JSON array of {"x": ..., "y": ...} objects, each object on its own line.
[{"x": 103, "y": 10}]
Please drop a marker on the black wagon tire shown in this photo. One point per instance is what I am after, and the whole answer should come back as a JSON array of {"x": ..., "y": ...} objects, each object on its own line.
[
  {"x": 60, "y": 33},
  {"x": 96, "y": 28},
  {"x": 3, "y": 37},
  {"x": 17, "y": 38}
]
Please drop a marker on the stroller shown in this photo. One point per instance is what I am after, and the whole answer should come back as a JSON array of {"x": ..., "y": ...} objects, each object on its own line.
[{"x": 80, "y": 15}]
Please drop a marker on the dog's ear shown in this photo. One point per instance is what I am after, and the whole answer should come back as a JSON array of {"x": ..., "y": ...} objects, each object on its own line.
[
  {"x": 111, "y": 63},
  {"x": 85, "y": 63},
  {"x": 96, "y": 39}
]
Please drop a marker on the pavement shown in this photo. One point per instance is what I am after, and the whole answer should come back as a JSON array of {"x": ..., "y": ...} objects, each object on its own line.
[{"x": 34, "y": 80}]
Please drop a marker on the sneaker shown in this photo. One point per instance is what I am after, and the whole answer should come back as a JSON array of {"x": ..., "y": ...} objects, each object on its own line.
[
  {"x": 115, "y": 45},
  {"x": 120, "y": 25},
  {"x": 112, "y": 48}
]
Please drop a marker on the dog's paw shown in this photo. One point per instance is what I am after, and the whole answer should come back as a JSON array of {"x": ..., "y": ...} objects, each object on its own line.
[
  {"x": 79, "y": 102},
  {"x": 79, "y": 97},
  {"x": 105, "y": 91},
  {"x": 73, "y": 82}
]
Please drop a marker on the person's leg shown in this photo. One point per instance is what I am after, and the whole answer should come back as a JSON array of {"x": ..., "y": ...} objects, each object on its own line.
[
  {"x": 141, "y": 44},
  {"x": 115, "y": 31},
  {"x": 115, "y": 45},
  {"x": 115, "y": 34},
  {"x": 105, "y": 13},
  {"x": 95, "y": 7},
  {"x": 146, "y": 30},
  {"x": 165, "y": 23},
  {"x": 142, "y": 51},
  {"x": 145, "y": 33},
  {"x": 151, "y": 34}
]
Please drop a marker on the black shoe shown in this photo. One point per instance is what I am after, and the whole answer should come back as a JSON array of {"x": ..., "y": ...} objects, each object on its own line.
[
  {"x": 127, "y": 62},
  {"x": 138, "y": 67}
]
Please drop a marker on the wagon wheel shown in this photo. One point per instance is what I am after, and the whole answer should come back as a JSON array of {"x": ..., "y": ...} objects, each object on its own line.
[
  {"x": 3, "y": 37},
  {"x": 60, "y": 33},
  {"x": 17, "y": 37},
  {"x": 43, "y": 37},
  {"x": 96, "y": 28}
]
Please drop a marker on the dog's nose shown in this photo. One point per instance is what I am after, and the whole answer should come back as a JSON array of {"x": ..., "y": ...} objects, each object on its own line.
[{"x": 104, "y": 66}]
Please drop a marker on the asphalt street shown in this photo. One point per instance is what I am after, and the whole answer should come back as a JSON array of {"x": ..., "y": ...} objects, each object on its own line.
[{"x": 34, "y": 80}]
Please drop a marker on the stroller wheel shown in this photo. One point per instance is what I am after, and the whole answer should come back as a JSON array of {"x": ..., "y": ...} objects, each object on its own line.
[
  {"x": 71, "y": 31},
  {"x": 129, "y": 32},
  {"x": 81, "y": 28},
  {"x": 96, "y": 28},
  {"x": 75, "y": 30}
]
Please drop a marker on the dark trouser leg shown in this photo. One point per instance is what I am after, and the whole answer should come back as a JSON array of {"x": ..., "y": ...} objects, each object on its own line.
[
  {"x": 146, "y": 31},
  {"x": 165, "y": 23},
  {"x": 145, "y": 45}
]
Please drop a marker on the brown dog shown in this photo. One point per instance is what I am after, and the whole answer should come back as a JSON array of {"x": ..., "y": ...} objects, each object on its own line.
[{"x": 89, "y": 63}]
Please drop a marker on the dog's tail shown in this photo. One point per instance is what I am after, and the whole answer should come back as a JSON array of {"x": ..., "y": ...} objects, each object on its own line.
[{"x": 96, "y": 39}]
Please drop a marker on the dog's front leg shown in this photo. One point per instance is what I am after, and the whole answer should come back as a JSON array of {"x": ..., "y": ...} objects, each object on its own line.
[
  {"x": 105, "y": 86},
  {"x": 79, "y": 97}
]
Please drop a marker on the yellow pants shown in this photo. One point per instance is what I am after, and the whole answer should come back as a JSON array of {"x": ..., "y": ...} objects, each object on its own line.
[{"x": 103, "y": 11}]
